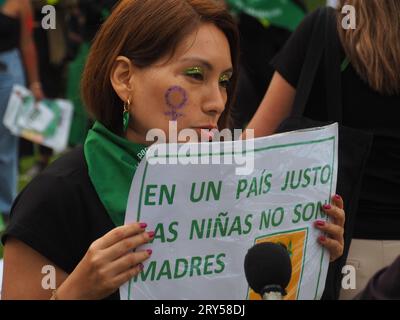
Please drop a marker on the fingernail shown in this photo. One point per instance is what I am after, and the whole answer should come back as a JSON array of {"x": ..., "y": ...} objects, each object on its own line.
[
  {"x": 143, "y": 225},
  {"x": 320, "y": 223},
  {"x": 322, "y": 238},
  {"x": 149, "y": 251},
  {"x": 327, "y": 206},
  {"x": 151, "y": 234},
  {"x": 141, "y": 266},
  {"x": 337, "y": 197}
]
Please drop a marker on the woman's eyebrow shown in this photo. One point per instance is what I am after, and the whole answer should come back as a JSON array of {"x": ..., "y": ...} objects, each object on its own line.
[{"x": 204, "y": 63}]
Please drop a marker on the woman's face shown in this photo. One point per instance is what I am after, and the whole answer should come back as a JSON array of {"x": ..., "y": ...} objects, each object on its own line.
[{"x": 190, "y": 89}]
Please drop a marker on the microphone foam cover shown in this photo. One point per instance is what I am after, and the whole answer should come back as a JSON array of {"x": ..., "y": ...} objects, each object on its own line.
[{"x": 266, "y": 264}]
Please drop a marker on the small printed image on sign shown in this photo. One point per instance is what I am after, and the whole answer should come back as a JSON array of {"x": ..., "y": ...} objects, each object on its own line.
[{"x": 294, "y": 241}]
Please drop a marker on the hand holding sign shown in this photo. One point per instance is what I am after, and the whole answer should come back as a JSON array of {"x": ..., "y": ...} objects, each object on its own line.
[
  {"x": 335, "y": 242},
  {"x": 109, "y": 262}
]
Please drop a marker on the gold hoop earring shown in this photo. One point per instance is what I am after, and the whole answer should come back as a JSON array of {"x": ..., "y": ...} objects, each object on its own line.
[{"x": 126, "y": 115}]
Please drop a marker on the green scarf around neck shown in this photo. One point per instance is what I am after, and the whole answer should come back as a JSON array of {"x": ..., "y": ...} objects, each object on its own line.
[{"x": 112, "y": 162}]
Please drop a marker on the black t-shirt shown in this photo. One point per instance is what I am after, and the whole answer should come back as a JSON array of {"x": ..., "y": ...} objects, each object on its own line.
[
  {"x": 59, "y": 213},
  {"x": 363, "y": 108},
  {"x": 9, "y": 32}
]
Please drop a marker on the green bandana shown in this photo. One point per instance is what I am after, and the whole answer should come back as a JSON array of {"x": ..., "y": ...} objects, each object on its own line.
[
  {"x": 281, "y": 13},
  {"x": 112, "y": 162}
]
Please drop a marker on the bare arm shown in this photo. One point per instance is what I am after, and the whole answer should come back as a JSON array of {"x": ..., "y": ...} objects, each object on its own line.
[
  {"x": 275, "y": 107},
  {"x": 22, "y": 277},
  {"x": 109, "y": 262},
  {"x": 28, "y": 48}
]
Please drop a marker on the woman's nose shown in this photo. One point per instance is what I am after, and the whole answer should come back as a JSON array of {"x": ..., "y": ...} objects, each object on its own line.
[{"x": 215, "y": 101}]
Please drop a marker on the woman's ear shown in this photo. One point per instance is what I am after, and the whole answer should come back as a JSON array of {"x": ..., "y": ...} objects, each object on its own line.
[{"x": 122, "y": 77}]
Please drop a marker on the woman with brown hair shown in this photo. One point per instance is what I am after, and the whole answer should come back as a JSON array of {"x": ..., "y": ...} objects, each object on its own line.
[
  {"x": 371, "y": 97},
  {"x": 148, "y": 57}
]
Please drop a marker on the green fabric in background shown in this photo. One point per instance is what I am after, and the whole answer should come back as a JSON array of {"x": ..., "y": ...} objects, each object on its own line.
[
  {"x": 80, "y": 119},
  {"x": 281, "y": 13},
  {"x": 2, "y": 225},
  {"x": 314, "y": 4}
]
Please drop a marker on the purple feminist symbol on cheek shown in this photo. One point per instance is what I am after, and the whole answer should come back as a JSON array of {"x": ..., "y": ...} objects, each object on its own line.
[{"x": 175, "y": 98}]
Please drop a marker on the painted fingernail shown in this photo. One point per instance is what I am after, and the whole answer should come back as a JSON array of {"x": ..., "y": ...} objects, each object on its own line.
[
  {"x": 322, "y": 238},
  {"x": 143, "y": 225},
  {"x": 320, "y": 223},
  {"x": 151, "y": 234},
  {"x": 327, "y": 206},
  {"x": 149, "y": 251},
  {"x": 141, "y": 266},
  {"x": 337, "y": 197}
]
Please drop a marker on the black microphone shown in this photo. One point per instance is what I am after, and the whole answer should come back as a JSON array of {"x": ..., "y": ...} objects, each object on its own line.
[{"x": 268, "y": 270}]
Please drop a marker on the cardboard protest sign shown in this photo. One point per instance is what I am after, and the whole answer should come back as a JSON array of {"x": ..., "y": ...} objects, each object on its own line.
[
  {"x": 206, "y": 216},
  {"x": 46, "y": 122}
]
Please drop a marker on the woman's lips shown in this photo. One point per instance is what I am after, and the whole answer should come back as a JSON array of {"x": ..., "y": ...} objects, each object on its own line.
[{"x": 206, "y": 133}]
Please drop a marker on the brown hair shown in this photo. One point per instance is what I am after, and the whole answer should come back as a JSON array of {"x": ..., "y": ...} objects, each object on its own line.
[
  {"x": 146, "y": 31},
  {"x": 374, "y": 47}
]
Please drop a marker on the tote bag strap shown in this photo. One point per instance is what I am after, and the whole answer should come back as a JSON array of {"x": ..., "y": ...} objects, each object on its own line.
[
  {"x": 310, "y": 66},
  {"x": 332, "y": 68}
]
